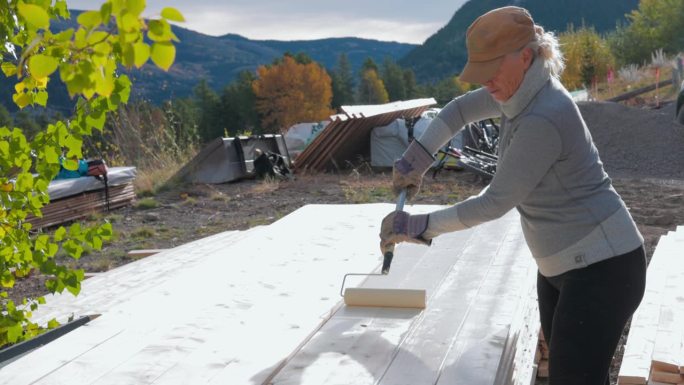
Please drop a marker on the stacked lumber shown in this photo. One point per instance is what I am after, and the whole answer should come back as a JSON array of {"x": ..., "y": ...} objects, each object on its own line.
[
  {"x": 654, "y": 353},
  {"x": 348, "y": 134},
  {"x": 83, "y": 204},
  {"x": 222, "y": 310},
  {"x": 263, "y": 307},
  {"x": 480, "y": 325}
]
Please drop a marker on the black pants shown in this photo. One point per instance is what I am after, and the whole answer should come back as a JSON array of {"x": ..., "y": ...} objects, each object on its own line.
[{"x": 583, "y": 313}]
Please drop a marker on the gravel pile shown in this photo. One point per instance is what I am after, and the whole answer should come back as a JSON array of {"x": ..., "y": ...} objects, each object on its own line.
[{"x": 636, "y": 142}]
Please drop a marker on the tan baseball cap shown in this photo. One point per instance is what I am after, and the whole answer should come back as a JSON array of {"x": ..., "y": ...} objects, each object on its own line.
[{"x": 493, "y": 35}]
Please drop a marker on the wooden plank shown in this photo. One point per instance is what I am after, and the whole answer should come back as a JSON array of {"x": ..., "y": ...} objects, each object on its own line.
[
  {"x": 275, "y": 286},
  {"x": 104, "y": 291},
  {"x": 518, "y": 364},
  {"x": 668, "y": 353},
  {"x": 669, "y": 378},
  {"x": 362, "y": 346},
  {"x": 462, "y": 298},
  {"x": 367, "y": 338},
  {"x": 636, "y": 361},
  {"x": 78, "y": 206}
]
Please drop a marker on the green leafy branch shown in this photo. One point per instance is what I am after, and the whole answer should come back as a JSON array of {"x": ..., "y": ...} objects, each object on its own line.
[{"x": 87, "y": 60}]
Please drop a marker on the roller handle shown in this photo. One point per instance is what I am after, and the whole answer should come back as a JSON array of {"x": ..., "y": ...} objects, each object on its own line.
[{"x": 389, "y": 254}]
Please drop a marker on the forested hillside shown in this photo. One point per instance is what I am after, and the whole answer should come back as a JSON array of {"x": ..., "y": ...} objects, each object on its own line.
[
  {"x": 444, "y": 53},
  {"x": 219, "y": 60}
]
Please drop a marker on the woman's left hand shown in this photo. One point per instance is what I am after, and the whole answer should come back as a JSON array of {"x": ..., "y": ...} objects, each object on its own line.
[{"x": 400, "y": 226}]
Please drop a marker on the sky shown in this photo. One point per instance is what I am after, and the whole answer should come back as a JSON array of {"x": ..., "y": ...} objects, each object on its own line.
[{"x": 397, "y": 20}]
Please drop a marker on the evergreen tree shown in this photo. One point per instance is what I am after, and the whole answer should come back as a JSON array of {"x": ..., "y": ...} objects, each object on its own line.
[
  {"x": 410, "y": 84},
  {"x": 182, "y": 116},
  {"x": 446, "y": 90},
  {"x": 342, "y": 83},
  {"x": 393, "y": 77},
  {"x": 25, "y": 121},
  {"x": 210, "y": 123},
  {"x": 238, "y": 106},
  {"x": 371, "y": 87},
  {"x": 5, "y": 117},
  {"x": 369, "y": 64}
]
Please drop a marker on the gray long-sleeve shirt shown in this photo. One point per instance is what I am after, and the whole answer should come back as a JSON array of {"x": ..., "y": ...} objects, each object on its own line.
[{"x": 548, "y": 168}]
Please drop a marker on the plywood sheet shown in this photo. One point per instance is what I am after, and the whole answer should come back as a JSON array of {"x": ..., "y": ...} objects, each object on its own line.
[
  {"x": 218, "y": 312},
  {"x": 470, "y": 277}
]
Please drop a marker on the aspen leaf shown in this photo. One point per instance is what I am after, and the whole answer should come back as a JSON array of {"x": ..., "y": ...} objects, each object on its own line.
[
  {"x": 42, "y": 66},
  {"x": 172, "y": 14},
  {"x": 163, "y": 54},
  {"x": 60, "y": 234},
  {"x": 7, "y": 279},
  {"x": 14, "y": 332},
  {"x": 135, "y": 6},
  {"x": 141, "y": 54},
  {"x": 90, "y": 19},
  {"x": 41, "y": 98},
  {"x": 9, "y": 69},
  {"x": 34, "y": 15}
]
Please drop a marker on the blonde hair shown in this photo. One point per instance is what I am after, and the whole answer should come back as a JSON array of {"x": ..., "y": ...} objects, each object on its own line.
[{"x": 546, "y": 46}]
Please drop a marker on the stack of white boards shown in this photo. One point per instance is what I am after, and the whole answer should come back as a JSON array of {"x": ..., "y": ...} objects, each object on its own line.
[
  {"x": 654, "y": 352},
  {"x": 263, "y": 307},
  {"x": 75, "y": 198}
]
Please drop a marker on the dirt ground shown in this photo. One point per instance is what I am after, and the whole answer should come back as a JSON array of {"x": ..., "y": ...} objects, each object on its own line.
[{"x": 181, "y": 214}]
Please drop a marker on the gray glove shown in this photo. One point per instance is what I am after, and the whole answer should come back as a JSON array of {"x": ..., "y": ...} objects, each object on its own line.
[
  {"x": 400, "y": 226},
  {"x": 409, "y": 169}
]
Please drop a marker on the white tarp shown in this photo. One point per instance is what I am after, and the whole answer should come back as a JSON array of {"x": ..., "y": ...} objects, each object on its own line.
[
  {"x": 424, "y": 121},
  {"x": 387, "y": 143},
  {"x": 116, "y": 176},
  {"x": 300, "y": 135}
]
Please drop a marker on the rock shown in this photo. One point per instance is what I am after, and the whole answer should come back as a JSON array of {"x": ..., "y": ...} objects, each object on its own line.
[
  {"x": 662, "y": 220},
  {"x": 150, "y": 217},
  {"x": 675, "y": 199}
]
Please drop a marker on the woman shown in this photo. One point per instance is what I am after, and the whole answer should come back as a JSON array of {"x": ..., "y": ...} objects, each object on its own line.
[{"x": 588, "y": 249}]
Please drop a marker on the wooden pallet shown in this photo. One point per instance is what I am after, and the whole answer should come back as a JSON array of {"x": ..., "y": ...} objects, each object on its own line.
[
  {"x": 654, "y": 353},
  {"x": 83, "y": 204}
]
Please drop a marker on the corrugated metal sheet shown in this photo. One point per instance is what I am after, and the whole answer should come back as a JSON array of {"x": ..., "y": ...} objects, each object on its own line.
[{"x": 347, "y": 137}]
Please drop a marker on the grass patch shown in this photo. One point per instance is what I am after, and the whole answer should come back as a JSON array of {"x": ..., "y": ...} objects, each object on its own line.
[
  {"x": 360, "y": 192},
  {"x": 147, "y": 204},
  {"x": 267, "y": 185},
  {"x": 157, "y": 173},
  {"x": 101, "y": 264},
  {"x": 260, "y": 221},
  {"x": 115, "y": 218},
  {"x": 117, "y": 254},
  {"x": 143, "y": 233},
  {"x": 189, "y": 201},
  {"x": 220, "y": 197}
]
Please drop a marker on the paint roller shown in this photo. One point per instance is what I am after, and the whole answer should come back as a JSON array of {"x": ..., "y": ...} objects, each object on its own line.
[{"x": 406, "y": 298}]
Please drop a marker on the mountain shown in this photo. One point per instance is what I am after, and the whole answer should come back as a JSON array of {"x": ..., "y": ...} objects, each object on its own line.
[
  {"x": 444, "y": 53},
  {"x": 219, "y": 59}
]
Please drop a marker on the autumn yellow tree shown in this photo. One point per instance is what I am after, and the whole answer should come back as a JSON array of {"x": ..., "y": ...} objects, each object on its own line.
[
  {"x": 587, "y": 57},
  {"x": 290, "y": 91},
  {"x": 372, "y": 89}
]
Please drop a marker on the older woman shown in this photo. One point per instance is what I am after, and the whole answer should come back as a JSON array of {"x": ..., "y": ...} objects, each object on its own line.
[{"x": 588, "y": 249}]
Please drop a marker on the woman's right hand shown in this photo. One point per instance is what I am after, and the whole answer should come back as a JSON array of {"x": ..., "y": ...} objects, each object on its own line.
[{"x": 408, "y": 170}]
